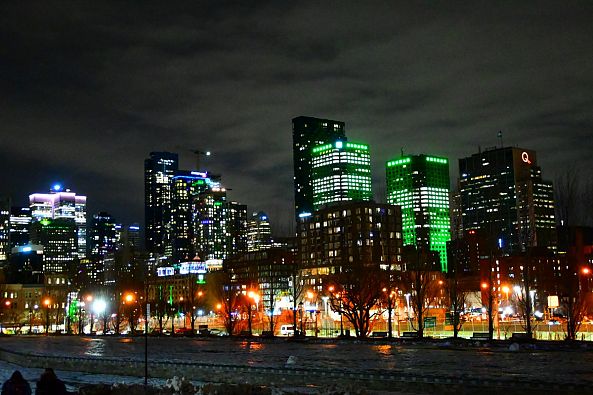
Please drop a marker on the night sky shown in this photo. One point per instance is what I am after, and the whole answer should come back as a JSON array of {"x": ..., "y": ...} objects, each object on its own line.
[{"x": 88, "y": 91}]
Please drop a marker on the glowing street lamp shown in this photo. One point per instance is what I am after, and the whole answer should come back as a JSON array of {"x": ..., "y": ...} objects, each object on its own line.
[
  {"x": 46, "y": 303},
  {"x": 255, "y": 297}
]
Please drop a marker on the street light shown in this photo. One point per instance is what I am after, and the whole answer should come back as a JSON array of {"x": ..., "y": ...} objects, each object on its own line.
[
  {"x": 89, "y": 300},
  {"x": 35, "y": 307},
  {"x": 80, "y": 323},
  {"x": 99, "y": 307},
  {"x": 301, "y": 310},
  {"x": 255, "y": 297},
  {"x": 46, "y": 302},
  {"x": 129, "y": 298}
]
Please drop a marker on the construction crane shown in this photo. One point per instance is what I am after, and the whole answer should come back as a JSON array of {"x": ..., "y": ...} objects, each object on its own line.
[{"x": 198, "y": 154}]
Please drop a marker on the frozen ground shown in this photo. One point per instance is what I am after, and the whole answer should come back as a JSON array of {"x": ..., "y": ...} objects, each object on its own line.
[
  {"x": 437, "y": 359},
  {"x": 73, "y": 380}
]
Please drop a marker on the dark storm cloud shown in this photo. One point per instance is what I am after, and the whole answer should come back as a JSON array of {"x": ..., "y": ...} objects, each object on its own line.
[{"x": 89, "y": 91}]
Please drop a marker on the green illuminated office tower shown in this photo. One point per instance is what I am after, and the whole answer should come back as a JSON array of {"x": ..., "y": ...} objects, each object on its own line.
[
  {"x": 420, "y": 185},
  {"x": 308, "y": 132},
  {"x": 341, "y": 172}
]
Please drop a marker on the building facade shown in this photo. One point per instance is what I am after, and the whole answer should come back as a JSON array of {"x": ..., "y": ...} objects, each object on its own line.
[
  {"x": 259, "y": 232},
  {"x": 186, "y": 186},
  {"x": 59, "y": 240},
  {"x": 159, "y": 170},
  {"x": 350, "y": 233},
  {"x": 20, "y": 221},
  {"x": 503, "y": 194},
  {"x": 420, "y": 185},
  {"x": 309, "y": 132},
  {"x": 4, "y": 229},
  {"x": 341, "y": 171},
  {"x": 220, "y": 226},
  {"x": 62, "y": 205},
  {"x": 267, "y": 270}
]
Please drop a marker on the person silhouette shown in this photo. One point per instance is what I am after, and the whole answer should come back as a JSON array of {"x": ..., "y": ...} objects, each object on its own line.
[
  {"x": 16, "y": 385},
  {"x": 50, "y": 384}
]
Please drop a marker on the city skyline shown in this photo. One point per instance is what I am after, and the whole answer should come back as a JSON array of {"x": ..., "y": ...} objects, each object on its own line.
[{"x": 95, "y": 92}]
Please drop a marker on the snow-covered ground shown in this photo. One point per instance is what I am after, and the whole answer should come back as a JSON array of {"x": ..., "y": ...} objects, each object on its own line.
[
  {"x": 438, "y": 359},
  {"x": 73, "y": 380}
]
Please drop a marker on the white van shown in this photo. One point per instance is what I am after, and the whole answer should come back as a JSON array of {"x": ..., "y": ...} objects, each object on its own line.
[{"x": 287, "y": 330}]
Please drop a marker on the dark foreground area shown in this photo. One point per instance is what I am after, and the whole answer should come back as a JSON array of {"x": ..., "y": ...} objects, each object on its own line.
[{"x": 308, "y": 366}]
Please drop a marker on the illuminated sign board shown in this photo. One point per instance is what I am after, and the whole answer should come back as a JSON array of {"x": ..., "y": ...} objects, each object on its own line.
[
  {"x": 165, "y": 271},
  {"x": 525, "y": 157},
  {"x": 192, "y": 267},
  {"x": 214, "y": 264}
]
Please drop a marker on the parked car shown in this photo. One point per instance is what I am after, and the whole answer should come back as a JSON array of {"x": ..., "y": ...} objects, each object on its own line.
[
  {"x": 287, "y": 330},
  {"x": 217, "y": 332}
]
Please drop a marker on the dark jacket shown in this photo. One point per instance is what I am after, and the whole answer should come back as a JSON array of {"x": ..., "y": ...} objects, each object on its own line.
[
  {"x": 49, "y": 384},
  {"x": 16, "y": 385}
]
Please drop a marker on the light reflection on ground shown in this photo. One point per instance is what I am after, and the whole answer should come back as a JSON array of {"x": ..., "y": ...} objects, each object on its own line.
[{"x": 95, "y": 348}]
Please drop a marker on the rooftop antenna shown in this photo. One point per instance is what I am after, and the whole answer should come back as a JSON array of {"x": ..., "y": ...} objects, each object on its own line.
[
  {"x": 199, "y": 153},
  {"x": 500, "y": 138},
  {"x": 402, "y": 151}
]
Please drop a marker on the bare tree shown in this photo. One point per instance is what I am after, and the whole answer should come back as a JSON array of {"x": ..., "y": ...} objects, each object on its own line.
[
  {"x": 357, "y": 294},
  {"x": 525, "y": 298},
  {"x": 457, "y": 296},
  {"x": 229, "y": 297},
  {"x": 573, "y": 198},
  {"x": 297, "y": 287},
  {"x": 420, "y": 282},
  {"x": 275, "y": 284},
  {"x": 566, "y": 194}
]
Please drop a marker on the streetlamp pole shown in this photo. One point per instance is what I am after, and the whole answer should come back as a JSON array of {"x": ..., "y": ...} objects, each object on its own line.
[
  {"x": 47, "y": 321},
  {"x": 146, "y": 314}
]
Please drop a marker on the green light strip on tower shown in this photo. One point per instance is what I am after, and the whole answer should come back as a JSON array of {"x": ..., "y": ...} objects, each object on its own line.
[
  {"x": 436, "y": 160},
  {"x": 398, "y": 162}
]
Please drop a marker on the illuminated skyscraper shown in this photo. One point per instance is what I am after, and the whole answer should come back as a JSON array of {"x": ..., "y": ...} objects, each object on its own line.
[
  {"x": 420, "y": 185},
  {"x": 186, "y": 186},
  {"x": 103, "y": 235},
  {"x": 159, "y": 170},
  {"x": 60, "y": 204},
  {"x": 59, "y": 240},
  {"x": 219, "y": 225},
  {"x": 504, "y": 196},
  {"x": 348, "y": 235},
  {"x": 341, "y": 171},
  {"x": 259, "y": 232},
  {"x": 308, "y": 132},
  {"x": 20, "y": 221},
  {"x": 102, "y": 244},
  {"x": 4, "y": 229}
]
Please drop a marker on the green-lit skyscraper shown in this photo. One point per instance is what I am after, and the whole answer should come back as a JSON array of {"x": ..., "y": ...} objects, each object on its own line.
[
  {"x": 341, "y": 172},
  {"x": 420, "y": 185},
  {"x": 308, "y": 132}
]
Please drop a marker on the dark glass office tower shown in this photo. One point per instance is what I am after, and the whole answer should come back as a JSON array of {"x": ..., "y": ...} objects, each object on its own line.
[
  {"x": 159, "y": 170},
  {"x": 186, "y": 186},
  {"x": 503, "y": 195},
  {"x": 308, "y": 132},
  {"x": 4, "y": 229},
  {"x": 20, "y": 221}
]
